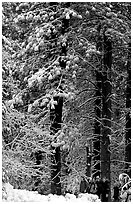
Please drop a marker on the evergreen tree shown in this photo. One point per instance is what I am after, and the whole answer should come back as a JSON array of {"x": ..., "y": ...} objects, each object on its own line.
[{"x": 106, "y": 110}]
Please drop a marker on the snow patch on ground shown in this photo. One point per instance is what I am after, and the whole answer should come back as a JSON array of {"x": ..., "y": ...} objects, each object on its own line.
[{"x": 10, "y": 194}]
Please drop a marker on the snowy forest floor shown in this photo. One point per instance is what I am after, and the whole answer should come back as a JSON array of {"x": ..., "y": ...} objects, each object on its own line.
[{"x": 9, "y": 194}]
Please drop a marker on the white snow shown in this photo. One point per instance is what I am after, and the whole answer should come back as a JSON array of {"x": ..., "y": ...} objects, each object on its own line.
[{"x": 15, "y": 195}]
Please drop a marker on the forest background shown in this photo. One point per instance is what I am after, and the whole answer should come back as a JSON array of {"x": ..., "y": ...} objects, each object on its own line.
[{"x": 66, "y": 93}]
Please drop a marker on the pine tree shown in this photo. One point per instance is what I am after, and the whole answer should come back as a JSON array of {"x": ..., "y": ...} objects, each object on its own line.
[
  {"x": 97, "y": 124},
  {"x": 56, "y": 120},
  {"x": 56, "y": 116},
  {"x": 106, "y": 110}
]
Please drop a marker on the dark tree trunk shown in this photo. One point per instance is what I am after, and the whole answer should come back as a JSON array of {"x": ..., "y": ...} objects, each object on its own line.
[
  {"x": 128, "y": 117},
  {"x": 88, "y": 166},
  {"x": 97, "y": 124},
  {"x": 106, "y": 110},
  {"x": 38, "y": 156},
  {"x": 56, "y": 120}
]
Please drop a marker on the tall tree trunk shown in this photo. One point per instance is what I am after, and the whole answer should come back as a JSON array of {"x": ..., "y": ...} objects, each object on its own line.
[
  {"x": 97, "y": 123},
  {"x": 56, "y": 120},
  {"x": 106, "y": 110},
  {"x": 97, "y": 126},
  {"x": 128, "y": 117},
  {"x": 89, "y": 156}
]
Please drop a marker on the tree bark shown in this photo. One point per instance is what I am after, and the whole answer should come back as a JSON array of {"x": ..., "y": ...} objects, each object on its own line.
[
  {"x": 89, "y": 155},
  {"x": 106, "y": 111},
  {"x": 56, "y": 120},
  {"x": 128, "y": 117},
  {"x": 97, "y": 124}
]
